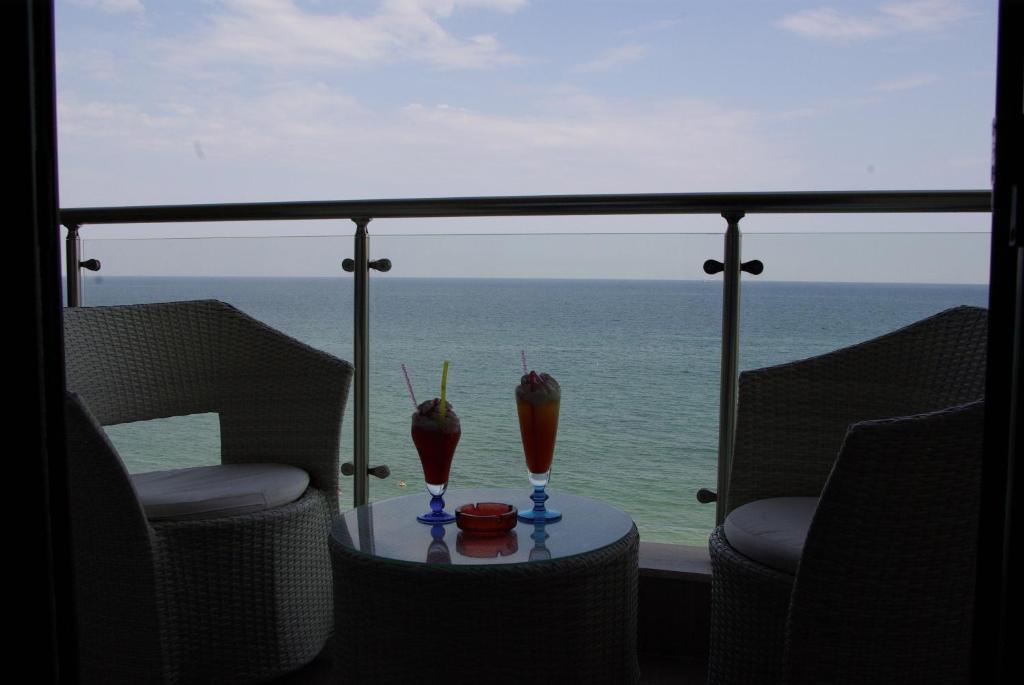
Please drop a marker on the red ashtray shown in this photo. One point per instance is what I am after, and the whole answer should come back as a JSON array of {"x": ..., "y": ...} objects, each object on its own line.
[{"x": 486, "y": 518}]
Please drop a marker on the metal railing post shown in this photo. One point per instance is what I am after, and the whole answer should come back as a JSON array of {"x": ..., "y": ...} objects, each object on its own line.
[
  {"x": 73, "y": 268},
  {"x": 361, "y": 361},
  {"x": 732, "y": 263},
  {"x": 360, "y": 267}
]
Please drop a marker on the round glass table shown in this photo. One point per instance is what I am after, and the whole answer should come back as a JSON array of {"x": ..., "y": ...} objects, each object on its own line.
[{"x": 416, "y": 602}]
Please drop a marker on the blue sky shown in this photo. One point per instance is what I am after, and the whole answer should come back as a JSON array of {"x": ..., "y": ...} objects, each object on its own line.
[{"x": 259, "y": 100}]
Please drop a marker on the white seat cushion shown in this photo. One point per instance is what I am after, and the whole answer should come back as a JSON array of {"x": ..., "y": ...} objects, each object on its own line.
[
  {"x": 772, "y": 531},
  {"x": 214, "y": 491}
]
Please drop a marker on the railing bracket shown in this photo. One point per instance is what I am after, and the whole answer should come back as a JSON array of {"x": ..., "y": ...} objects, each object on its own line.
[
  {"x": 754, "y": 267},
  {"x": 382, "y": 471},
  {"x": 383, "y": 265},
  {"x": 705, "y": 496},
  {"x": 713, "y": 266}
]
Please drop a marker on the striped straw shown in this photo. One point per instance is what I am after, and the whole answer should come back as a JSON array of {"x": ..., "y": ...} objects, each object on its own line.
[{"x": 408, "y": 384}]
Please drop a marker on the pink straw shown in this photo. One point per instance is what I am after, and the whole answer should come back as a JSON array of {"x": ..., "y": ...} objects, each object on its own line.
[
  {"x": 522, "y": 355},
  {"x": 408, "y": 384}
]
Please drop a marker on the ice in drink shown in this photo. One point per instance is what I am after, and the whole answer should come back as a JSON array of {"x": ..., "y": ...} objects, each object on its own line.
[
  {"x": 435, "y": 437},
  {"x": 538, "y": 398}
]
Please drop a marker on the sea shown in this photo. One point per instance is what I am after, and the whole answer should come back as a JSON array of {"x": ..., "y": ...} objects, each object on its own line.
[{"x": 638, "y": 362}]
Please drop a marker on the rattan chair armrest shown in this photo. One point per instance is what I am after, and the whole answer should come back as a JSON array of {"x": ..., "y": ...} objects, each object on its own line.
[{"x": 292, "y": 416}]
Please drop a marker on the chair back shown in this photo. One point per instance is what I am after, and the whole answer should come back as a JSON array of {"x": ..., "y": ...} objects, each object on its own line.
[
  {"x": 792, "y": 418},
  {"x": 278, "y": 400},
  {"x": 141, "y": 362},
  {"x": 884, "y": 590}
]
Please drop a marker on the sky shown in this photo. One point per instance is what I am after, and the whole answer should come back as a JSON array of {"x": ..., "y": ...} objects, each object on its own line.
[{"x": 273, "y": 100}]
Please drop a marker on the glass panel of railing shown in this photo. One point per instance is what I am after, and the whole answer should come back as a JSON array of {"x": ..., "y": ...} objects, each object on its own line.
[
  {"x": 293, "y": 284},
  {"x": 823, "y": 291},
  {"x": 629, "y": 325}
]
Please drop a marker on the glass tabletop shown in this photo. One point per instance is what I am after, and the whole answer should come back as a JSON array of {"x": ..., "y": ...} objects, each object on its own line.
[{"x": 389, "y": 529}]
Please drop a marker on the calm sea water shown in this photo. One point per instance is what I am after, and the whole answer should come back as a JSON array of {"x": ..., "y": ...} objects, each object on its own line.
[{"x": 638, "y": 362}]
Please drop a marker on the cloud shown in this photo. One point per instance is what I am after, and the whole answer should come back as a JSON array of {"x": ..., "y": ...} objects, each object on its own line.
[
  {"x": 924, "y": 15},
  {"x": 282, "y": 122},
  {"x": 310, "y": 141},
  {"x": 98, "y": 65},
  {"x": 828, "y": 24},
  {"x": 444, "y": 8},
  {"x": 280, "y": 34},
  {"x": 111, "y": 6},
  {"x": 613, "y": 58},
  {"x": 97, "y": 120},
  {"x": 912, "y": 16},
  {"x": 907, "y": 83}
]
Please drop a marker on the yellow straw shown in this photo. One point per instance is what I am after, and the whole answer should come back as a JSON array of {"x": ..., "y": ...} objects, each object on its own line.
[{"x": 444, "y": 387}]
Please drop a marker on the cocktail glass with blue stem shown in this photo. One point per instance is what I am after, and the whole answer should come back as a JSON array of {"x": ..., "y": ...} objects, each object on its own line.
[
  {"x": 435, "y": 434},
  {"x": 538, "y": 399}
]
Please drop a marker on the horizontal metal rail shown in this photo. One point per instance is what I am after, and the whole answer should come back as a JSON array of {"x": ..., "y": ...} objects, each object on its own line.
[{"x": 825, "y": 202}]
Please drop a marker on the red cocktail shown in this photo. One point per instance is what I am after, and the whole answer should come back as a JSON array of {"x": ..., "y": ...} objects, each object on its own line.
[
  {"x": 436, "y": 435},
  {"x": 538, "y": 399}
]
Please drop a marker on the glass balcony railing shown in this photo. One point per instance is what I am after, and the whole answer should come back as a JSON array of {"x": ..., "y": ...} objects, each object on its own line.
[{"x": 638, "y": 350}]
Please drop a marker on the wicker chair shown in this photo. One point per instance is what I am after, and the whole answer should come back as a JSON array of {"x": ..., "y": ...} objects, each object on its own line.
[
  {"x": 235, "y": 597},
  {"x": 791, "y": 425}
]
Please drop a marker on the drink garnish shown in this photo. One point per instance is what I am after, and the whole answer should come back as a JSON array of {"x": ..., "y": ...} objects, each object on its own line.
[
  {"x": 537, "y": 388},
  {"x": 428, "y": 417}
]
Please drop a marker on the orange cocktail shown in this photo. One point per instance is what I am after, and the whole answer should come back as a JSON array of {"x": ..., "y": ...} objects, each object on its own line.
[
  {"x": 538, "y": 426},
  {"x": 538, "y": 399}
]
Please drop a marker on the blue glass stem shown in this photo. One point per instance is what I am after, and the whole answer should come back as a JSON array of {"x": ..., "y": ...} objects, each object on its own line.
[
  {"x": 437, "y": 514},
  {"x": 539, "y": 511},
  {"x": 539, "y": 497}
]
